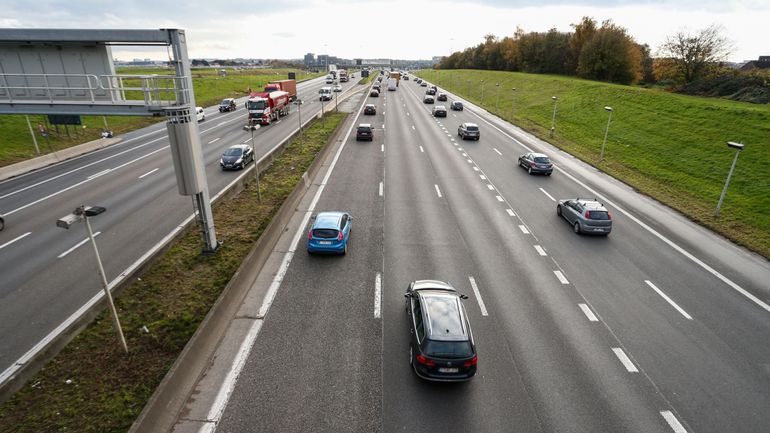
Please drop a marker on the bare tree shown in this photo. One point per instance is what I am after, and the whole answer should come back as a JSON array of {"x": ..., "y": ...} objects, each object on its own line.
[{"x": 694, "y": 53}]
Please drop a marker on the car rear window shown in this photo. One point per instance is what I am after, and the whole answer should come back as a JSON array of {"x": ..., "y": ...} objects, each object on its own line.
[
  {"x": 448, "y": 349},
  {"x": 542, "y": 160},
  {"x": 472, "y": 128},
  {"x": 364, "y": 129},
  {"x": 598, "y": 215},
  {"x": 325, "y": 233}
]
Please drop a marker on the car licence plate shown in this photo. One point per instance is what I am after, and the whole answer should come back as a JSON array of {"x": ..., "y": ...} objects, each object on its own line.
[
  {"x": 325, "y": 242},
  {"x": 448, "y": 370}
]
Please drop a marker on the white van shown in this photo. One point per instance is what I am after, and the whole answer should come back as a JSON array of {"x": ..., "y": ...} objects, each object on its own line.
[
  {"x": 325, "y": 94},
  {"x": 199, "y": 114}
]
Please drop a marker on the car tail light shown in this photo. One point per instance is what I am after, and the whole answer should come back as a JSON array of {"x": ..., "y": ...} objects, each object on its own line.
[
  {"x": 310, "y": 235},
  {"x": 588, "y": 214},
  {"x": 425, "y": 361},
  {"x": 340, "y": 236},
  {"x": 472, "y": 362},
  {"x": 609, "y": 215}
]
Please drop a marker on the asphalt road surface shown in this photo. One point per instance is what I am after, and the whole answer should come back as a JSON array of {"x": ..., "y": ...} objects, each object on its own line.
[
  {"x": 48, "y": 273},
  {"x": 660, "y": 327}
]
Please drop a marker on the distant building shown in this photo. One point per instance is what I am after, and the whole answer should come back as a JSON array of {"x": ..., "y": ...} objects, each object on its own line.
[
  {"x": 762, "y": 63},
  {"x": 309, "y": 59}
]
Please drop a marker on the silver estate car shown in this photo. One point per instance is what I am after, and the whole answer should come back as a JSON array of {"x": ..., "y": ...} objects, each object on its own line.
[{"x": 586, "y": 216}]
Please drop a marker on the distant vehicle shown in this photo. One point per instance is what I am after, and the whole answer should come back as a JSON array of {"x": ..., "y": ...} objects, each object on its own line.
[
  {"x": 392, "y": 84},
  {"x": 427, "y": 99},
  {"x": 329, "y": 233},
  {"x": 370, "y": 109},
  {"x": 441, "y": 345},
  {"x": 469, "y": 130},
  {"x": 430, "y": 91},
  {"x": 2, "y": 222},
  {"x": 227, "y": 104},
  {"x": 343, "y": 75},
  {"x": 586, "y": 216},
  {"x": 423, "y": 84},
  {"x": 376, "y": 87},
  {"x": 364, "y": 132},
  {"x": 441, "y": 97},
  {"x": 199, "y": 114},
  {"x": 329, "y": 79},
  {"x": 325, "y": 94},
  {"x": 435, "y": 89},
  {"x": 236, "y": 157},
  {"x": 419, "y": 81},
  {"x": 439, "y": 111},
  {"x": 536, "y": 163},
  {"x": 374, "y": 93},
  {"x": 406, "y": 77},
  {"x": 456, "y": 105},
  {"x": 338, "y": 88},
  {"x": 266, "y": 108},
  {"x": 288, "y": 86}
]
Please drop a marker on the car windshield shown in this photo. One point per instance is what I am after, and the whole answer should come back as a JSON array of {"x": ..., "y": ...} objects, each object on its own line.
[
  {"x": 448, "y": 349},
  {"x": 259, "y": 104},
  {"x": 233, "y": 151},
  {"x": 542, "y": 159},
  {"x": 598, "y": 215},
  {"x": 225, "y": 102}
]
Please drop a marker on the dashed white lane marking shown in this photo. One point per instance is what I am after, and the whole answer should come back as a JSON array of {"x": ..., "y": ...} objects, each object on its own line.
[
  {"x": 673, "y": 422},
  {"x": 499, "y": 198},
  {"x": 587, "y": 311},
  {"x": 498, "y": 152},
  {"x": 540, "y": 250},
  {"x": 523, "y": 229},
  {"x": 465, "y": 154},
  {"x": 669, "y": 300},
  {"x": 413, "y": 128},
  {"x": 510, "y": 212},
  {"x": 382, "y": 148},
  {"x": 383, "y": 126},
  {"x": 449, "y": 135},
  {"x": 422, "y": 150},
  {"x": 470, "y": 161},
  {"x": 491, "y": 188},
  {"x": 407, "y": 113},
  {"x": 247, "y": 140},
  {"x": 561, "y": 277},
  {"x": 452, "y": 139},
  {"x": 148, "y": 173},
  {"x": 625, "y": 360},
  {"x": 381, "y": 186},
  {"x": 377, "y": 295},
  {"x": 475, "y": 168},
  {"x": 214, "y": 140},
  {"x": 77, "y": 245},
  {"x": 546, "y": 193},
  {"x": 482, "y": 177},
  {"x": 101, "y": 173},
  {"x": 14, "y": 240},
  {"x": 482, "y": 307},
  {"x": 223, "y": 123},
  {"x": 438, "y": 191}
]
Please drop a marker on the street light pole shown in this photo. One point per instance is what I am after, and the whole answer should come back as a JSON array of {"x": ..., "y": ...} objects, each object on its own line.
[
  {"x": 482, "y": 93},
  {"x": 335, "y": 100},
  {"x": 553, "y": 118},
  {"x": 606, "y": 131},
  {"x": 738, "y": 147},
  {"x": 497, "y": 96},
  {"x": 513, "y": 95}
]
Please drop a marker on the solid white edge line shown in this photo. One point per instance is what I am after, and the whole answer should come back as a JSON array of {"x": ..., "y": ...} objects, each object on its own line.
[
  {"x": 561, "y": 277},
  {"x": 523, "y": 229},
  {"x": 14, "y": 240},
  {"x": 540, "y": 250},
  {"x": 377, "y": 295},
  {"x": 546, "y": 193},
  {"x": 669, "y": 300},
  {"x": 148, "y": 173},
  {"x": 625, "y": 360},
  {"x": 654, "y": 232},
  {"x": 381, "y": 186},
  {"x": 498, "y": 152},
  {"x": 438, "y": 191},
  {"x": 227, "y": 386},
  {"x": 77, "y": 245},
  {"x": 589, "y": 314},
  {"x": 476, "y": 291},
  {"x": 674, "y": 423}
]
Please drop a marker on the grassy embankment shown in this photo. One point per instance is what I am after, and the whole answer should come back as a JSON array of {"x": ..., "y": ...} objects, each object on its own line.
[
  {"x": 91, "y": 386},
  {"x": 669, "y": 146},
  {"x": 16, "y": 143}
]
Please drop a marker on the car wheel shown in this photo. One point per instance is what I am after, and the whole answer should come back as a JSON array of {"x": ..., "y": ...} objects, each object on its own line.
[
  {"x": 345, "y": 250},
  {"x": 577, "y": 227},
  {"x": 529, "y": 170},
  {"x": 2, "y": 223},
  {"x": 558, "y": 210},
  {"x": 548, "y": 174},
  {"x": 411, "y": 356},
  {"x": 477, "y": 138}
]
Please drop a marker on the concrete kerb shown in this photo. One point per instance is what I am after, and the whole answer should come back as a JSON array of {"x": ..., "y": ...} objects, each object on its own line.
[{"x": 161, "y": 411}]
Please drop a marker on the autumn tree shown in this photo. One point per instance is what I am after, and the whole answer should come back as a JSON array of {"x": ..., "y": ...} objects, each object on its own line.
[
  {"x": 583, "y": 32},
  {"x": 695, "y": 53},
  {"x": 610, "y": 55}
]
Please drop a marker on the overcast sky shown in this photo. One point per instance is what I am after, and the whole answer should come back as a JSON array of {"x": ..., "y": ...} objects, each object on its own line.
[{"x": 404, "y": 29}]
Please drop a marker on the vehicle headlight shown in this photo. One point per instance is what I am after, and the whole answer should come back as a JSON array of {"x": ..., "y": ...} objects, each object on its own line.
[
  {"x": 239, "y": 160},
  {"x": 222, "y": 161}
]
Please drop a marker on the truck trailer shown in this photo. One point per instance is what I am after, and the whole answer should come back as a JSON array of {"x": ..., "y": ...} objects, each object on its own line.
[{"x": 288, "y": 86}]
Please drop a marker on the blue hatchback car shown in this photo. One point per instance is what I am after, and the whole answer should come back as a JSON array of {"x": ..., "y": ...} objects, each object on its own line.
[{"x": 329, "y": 233}]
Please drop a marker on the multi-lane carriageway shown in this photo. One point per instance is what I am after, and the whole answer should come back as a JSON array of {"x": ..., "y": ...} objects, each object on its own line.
[{"x": 662, "y": 326}]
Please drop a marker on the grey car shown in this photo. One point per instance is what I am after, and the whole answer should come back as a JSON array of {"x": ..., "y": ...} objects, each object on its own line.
[
  {"x": 536, "y": 163},
  {"x": 585, "y": 216},
  {"x": 469, "y": 130},
  {"x": 236, "y": 157}
]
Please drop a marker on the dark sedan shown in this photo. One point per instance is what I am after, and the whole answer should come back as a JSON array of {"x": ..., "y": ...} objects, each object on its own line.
[
  {"x": 370, "y": 109},
  {"x": 441, "y": 97},
  {"x": 536, "y": 163},
  {"x": 236, "y": 157},
  {"x": 456, "y": 105},
  {"x": 227, "y": 104},
  {"x": 439, "y": 111}
]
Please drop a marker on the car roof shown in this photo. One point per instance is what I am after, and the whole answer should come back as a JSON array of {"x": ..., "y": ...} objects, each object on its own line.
[
  {"x": 538, "y": 155},
  {"x": 365, "y": 125},
  {"x": 439, "y": 107},
  {"x": 327, "y": 220},
  {"x": 443, "y": 315},
  {"x": 370, "y": 105},
  {"x": 466, "y": 124},
  {"x": 239, "y": 146},
  {"x": 591, "y": 203}
]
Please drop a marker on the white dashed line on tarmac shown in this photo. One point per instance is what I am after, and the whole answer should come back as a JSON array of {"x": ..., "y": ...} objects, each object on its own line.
[
  {"x": 546, "y": 193},
  {"x": 540, "y": 250},
  {"x": 498, "y": 152},
  {"x": 625, "y": 360},
  {"x": 589, "y": 314},
  {"x": 560, "y": 276},
  {"x": 669, "y": 300}
]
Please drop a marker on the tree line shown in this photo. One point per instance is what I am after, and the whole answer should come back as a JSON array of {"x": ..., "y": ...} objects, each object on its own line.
[{"x": 603, "y": 52}]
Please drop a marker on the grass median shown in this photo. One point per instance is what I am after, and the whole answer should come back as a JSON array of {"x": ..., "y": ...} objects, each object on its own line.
[
  {"x": 91, "y": 386},
  {"x": 668, "y": 146}
]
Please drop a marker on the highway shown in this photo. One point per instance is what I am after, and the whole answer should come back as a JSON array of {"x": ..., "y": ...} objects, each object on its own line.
[
  {"x": 49, "y": 273},
  {"x": 660, "y": 327}
]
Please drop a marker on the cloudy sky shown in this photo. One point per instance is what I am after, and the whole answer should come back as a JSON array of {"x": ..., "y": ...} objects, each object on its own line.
[{"x": 405, "y": 29}]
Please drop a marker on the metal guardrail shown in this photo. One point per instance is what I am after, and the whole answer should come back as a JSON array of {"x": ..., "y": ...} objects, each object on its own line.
[{"x": 154, "y": 91}]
